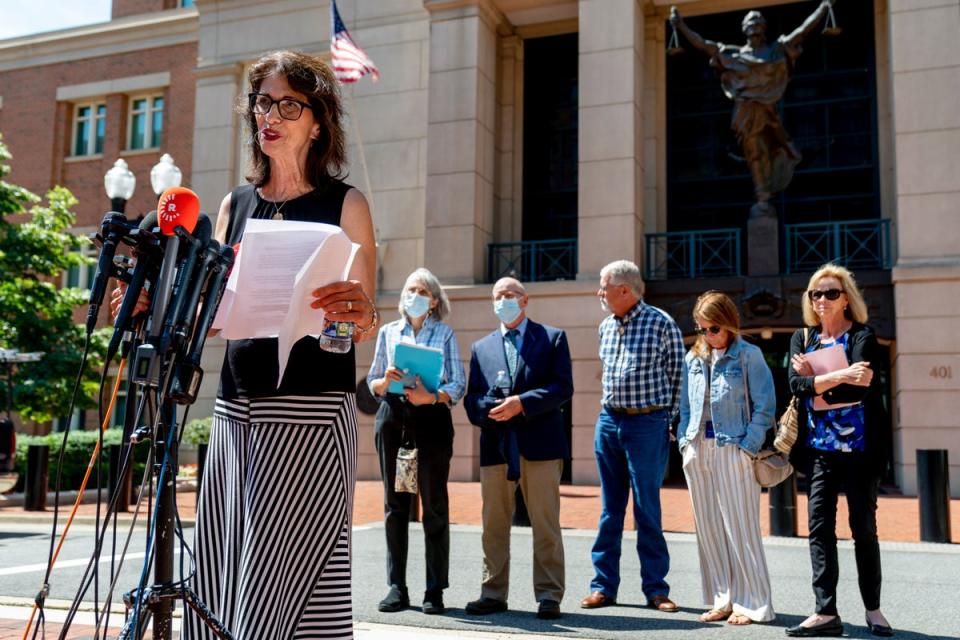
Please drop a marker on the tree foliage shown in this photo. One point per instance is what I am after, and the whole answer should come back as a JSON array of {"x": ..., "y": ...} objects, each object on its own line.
[{"x": 36, "y": 248}]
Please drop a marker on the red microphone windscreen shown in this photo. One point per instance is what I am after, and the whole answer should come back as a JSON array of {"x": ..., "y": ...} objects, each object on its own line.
[{"x": 178, "y": 206}]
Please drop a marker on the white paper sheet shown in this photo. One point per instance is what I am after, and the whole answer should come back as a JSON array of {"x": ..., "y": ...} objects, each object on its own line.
[{"x": 280, "y": 263}]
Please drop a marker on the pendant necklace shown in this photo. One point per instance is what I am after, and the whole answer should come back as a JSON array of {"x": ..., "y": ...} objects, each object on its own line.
[{"x": 277, "y": 208}]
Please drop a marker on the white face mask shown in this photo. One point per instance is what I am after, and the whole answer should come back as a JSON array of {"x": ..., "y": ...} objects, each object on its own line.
[
  {"x": 507, "y": 309},
  {"x": 415, "y": 304}
]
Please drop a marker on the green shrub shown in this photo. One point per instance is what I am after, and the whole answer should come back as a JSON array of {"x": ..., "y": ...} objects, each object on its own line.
[
  {"x": 80, "y": 445},
  {"x": 197, "y": 431}
]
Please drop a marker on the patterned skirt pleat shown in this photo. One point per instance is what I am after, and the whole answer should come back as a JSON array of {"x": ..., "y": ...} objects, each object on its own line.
[{"x": 272, "y": 538}]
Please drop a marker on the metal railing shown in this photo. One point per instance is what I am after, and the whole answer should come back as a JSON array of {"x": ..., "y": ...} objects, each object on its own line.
[
  {"x": 533, "y": 261},
  {"x": 855, "y": 244},
  {"x": 693, "y": 254}
]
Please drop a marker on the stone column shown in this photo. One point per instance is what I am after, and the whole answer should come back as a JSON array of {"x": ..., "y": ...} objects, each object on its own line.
[
  {"x": 508, "y": 195},
  {"x": 215, "y": 134},
  {"x": 460, "y": 138},
  {"x": 610, "y": 204},
  {"x": 925, "y": 65}
]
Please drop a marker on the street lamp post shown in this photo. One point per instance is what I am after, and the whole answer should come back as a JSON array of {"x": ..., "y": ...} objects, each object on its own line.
[
  {"x": 164, "y": 175},
  {"x": 119, "y": 183}
]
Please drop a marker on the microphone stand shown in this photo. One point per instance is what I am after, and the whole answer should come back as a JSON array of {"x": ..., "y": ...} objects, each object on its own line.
[{"x": 161, "y": 597}]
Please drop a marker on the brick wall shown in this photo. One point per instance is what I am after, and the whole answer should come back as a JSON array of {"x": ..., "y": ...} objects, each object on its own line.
[
  {"x": 123, "y": 8},
  {"x": 37, "y": 128}
]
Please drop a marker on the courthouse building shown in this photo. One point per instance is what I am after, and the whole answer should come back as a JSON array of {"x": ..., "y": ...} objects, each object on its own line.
[{"x": 547, "y": 138}]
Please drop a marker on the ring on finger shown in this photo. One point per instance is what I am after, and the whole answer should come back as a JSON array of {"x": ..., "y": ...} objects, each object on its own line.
[{"x": 349, "y": 305}]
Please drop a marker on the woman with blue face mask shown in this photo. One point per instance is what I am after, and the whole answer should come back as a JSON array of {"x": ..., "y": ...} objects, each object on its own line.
[{"x": 418, "y": 418}]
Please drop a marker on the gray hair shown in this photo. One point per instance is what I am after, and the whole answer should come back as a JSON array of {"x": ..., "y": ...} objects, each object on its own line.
[
  {"x": 625, "y": 272},
  {"x": 427, "y": 279}
]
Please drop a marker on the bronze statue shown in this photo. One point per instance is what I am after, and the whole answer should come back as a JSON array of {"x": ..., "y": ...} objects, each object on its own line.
[{"x": 755, "y": 77}]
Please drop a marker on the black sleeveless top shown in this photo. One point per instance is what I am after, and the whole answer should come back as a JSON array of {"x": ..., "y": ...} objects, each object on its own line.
[{"x": 250, "y": 366}]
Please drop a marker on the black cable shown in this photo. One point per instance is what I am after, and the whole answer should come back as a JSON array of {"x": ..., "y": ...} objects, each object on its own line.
[
  {"x": 92, "y": 566},
  {"x": 45, "y": 589}
]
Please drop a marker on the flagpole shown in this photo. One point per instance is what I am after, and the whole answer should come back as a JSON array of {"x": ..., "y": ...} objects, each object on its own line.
[{"x": 363, "y": 156}]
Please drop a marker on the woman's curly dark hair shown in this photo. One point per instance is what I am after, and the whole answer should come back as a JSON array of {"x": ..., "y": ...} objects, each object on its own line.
[{"x": 311, "y": 76}]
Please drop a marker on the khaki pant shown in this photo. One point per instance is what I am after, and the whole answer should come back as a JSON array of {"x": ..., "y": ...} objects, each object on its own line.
[{"x": 540, "y": 484}]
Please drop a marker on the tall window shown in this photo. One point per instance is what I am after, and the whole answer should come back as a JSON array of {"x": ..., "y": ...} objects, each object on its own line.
[
  {"x": 89, "y": 126},
  {"x": 550, "y": 96},
  {"x": 829, "y": 110},
  {"x": 145, "y": 122}
]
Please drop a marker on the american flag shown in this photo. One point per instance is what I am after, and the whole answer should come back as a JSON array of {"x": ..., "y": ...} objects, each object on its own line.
[{"x": 350, "y": 63}]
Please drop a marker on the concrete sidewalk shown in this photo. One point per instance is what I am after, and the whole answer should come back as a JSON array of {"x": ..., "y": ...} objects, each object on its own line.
[
  {"x": 898, "y": 523},
  {"x": 898, "y": 516}
]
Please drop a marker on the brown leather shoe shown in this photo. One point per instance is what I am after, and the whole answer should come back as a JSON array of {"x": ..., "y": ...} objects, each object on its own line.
[
  {"x": 596, "y": 600},
  {"x": 663, "y": 603}
]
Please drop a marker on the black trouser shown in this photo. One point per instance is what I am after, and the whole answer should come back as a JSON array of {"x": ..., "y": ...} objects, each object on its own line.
[
  {"x": 851, "y": 473},
  {"x": 433, "y": 427}
]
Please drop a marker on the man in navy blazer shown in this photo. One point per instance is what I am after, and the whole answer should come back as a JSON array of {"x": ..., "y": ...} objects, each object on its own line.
[{"x": 521, "y": 417}]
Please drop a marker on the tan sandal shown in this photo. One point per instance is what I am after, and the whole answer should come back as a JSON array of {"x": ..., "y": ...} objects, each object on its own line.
[
  {"x": 739, "y": 619},
  {"x": 714, "y": 615}
]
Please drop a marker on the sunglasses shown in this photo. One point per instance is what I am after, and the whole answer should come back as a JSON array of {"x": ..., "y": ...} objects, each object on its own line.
[
  {"x": 703, "y": 331},
  {"x": 829, "y": 294}
]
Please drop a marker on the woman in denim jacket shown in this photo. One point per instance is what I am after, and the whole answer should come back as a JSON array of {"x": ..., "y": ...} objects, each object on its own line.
[{"x": 718, "y": 436}]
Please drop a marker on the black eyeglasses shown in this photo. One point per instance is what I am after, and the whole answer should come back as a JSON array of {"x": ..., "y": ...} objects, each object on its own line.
[
  {"x": 288, "y": 108},
  {"x": 829, "y": 294},
  {"x": 704, "y": 330}
]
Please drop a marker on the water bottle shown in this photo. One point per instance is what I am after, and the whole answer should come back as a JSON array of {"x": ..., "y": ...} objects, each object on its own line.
[
  {"x": 337, "y": 336},
  {"x": 501, "y": 386}
]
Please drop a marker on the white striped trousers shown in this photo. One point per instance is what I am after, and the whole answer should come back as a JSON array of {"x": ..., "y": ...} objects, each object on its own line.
[
  {"x": 272, "y": 539},
  {"x": 726, "y": 510}
]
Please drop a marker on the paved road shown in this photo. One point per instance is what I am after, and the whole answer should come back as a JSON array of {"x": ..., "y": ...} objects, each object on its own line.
[{"x": 921, "y": 586}]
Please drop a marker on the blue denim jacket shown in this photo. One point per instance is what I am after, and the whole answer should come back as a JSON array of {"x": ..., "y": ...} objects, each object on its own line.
[{"x": 727, "y": 402}]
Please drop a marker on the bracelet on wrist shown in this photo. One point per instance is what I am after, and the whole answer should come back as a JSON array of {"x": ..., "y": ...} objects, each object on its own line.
[{"x": 374, "y": 321}]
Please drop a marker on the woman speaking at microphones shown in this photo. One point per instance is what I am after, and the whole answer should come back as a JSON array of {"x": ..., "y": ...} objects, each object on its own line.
[
  {"x": 273, "y": 523},
  {"x": 274, "y": 518}
]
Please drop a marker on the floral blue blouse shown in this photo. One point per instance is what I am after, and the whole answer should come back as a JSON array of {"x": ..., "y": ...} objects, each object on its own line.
[{"x": 840, "y": 429}]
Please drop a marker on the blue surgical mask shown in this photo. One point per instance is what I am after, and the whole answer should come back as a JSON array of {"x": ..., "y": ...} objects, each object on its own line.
[
  {"x": 507, "y": 309},
  {"x": 415, "y": 304}
]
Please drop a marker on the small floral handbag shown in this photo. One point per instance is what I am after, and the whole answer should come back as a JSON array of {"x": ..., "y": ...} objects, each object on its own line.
[{"x": 405, "y": 478}]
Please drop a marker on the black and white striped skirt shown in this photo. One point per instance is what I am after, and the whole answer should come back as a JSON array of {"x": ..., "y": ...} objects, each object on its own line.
[{"x": 272, "y": 538}]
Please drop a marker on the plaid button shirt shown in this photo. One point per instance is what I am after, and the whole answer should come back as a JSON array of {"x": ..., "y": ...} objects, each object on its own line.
[
  {"x": 433, "y": 333},
  {"x": 642, "y": 357}
]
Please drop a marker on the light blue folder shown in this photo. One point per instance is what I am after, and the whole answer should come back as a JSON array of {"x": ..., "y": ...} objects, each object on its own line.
[{"x": 417, "y": 360}]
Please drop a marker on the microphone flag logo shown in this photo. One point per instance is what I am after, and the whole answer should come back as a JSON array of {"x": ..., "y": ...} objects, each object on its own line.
[{"x": 178, "y": 206}]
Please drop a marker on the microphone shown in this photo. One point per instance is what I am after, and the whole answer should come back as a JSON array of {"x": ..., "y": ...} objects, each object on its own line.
[
  {"x": 178, "y": 207},
  {"x": 196, "y": 243},
  {"x": 188, "y": 375},
  {"x": 184, "y": 322},
  {"x": 146, "y": 248},
  {"x": 113, "y": 227}
]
